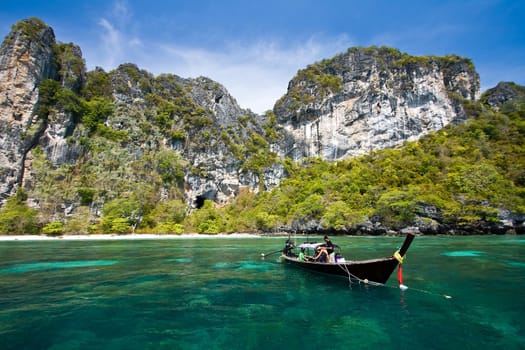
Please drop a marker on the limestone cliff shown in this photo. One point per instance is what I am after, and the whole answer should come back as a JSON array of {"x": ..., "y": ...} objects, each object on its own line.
[
  {"x": 26, "y": 58},
  {"x": 45, "y": 94},
  {"x": 372, "y": 98}
]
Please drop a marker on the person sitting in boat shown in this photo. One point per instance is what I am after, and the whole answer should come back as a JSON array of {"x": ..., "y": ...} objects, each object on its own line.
[
  {"x": 329, "y": 246},
  {"x": 301, "y": 256},
  {"x": 325, "y": 252},
  {"x": 288, "y": 248},
  {"x": 321, "y": 254}
]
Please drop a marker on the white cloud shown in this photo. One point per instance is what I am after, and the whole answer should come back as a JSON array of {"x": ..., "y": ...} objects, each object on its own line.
[
  {"x": 256, "y": 74},
  {"x": 120, "y": 9},
  {"x": 114, "y": 39},
  {"x": 135, "y": 42},
  {"x": 111, "y": 44}
]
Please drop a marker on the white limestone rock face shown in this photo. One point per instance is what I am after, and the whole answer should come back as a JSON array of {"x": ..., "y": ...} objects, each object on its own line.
[
  {"x": 26, "y": 58},
  {"x": 214, "y": 97},
  {"x": 372, "y": 98}
]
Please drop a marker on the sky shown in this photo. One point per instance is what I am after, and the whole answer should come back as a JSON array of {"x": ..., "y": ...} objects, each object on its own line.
[{"x": 254, "y": 48}]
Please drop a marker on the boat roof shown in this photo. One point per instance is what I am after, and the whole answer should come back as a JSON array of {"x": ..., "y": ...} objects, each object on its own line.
[
  {"x": 313, "y": 245},
  {"x": 310, "y": 245}
]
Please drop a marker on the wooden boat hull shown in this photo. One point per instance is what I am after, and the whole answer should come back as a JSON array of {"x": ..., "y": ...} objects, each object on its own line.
[
  {"x": 374, "y": 270},
  {"x": 378, "y": 270}
]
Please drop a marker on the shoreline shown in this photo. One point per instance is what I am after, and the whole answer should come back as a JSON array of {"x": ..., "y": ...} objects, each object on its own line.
[{"x": 139, "y": 236}]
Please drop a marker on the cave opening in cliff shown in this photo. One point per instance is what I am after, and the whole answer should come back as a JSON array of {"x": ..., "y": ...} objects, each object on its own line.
[
  {"x": 199, "y": 201},
  {"x": 210, "y": 195}
]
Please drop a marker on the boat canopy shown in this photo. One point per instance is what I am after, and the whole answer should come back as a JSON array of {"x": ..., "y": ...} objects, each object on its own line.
[
  {"x": 313, "y": 245},
  {"x": 309, "y": 245}
]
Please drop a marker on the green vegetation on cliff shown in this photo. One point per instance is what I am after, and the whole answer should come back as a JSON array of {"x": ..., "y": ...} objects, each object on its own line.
[{"x": 466, "y": 173}]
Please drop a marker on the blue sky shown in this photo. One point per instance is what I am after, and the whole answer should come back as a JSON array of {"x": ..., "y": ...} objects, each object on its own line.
[{"x": 254, "y": 48}]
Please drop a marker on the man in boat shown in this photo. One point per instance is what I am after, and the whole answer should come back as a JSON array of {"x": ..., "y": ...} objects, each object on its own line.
[
  {"x": 325, "y": 251},
  {"x": 328, "y": 243},
  {"x": 329, "y": 246},
  {"x": 288, "y": 248}
]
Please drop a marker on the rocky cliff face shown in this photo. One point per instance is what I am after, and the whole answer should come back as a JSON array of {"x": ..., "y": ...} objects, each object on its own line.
[
  {"x": 195, "y": 118},
  {"x": 503, "y": 93},
  {"x": 26, "y": 58},
  {"x": 222, "y": 169},
  {"x": 372, "y": 98}
]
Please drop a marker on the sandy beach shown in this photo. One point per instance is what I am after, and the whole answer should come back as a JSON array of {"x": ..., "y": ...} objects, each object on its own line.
[{"x": 122, "y": 237}]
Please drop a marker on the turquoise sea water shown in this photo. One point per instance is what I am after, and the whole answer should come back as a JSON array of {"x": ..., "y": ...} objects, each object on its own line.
[{"x": 464, "y": 293}]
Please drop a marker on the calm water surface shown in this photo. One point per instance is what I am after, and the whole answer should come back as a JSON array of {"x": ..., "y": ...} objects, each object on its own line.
[{"x": 464, "y": 293}]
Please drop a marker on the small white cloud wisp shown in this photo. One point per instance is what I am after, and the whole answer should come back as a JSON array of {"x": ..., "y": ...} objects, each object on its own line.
[
  {"x": 111, "y": 48},
  {"x": 256, "y": 74}
]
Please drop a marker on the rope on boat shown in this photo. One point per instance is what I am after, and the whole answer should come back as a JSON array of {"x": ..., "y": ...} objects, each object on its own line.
[
  {"x": 365, "y": 281},
  {"x": 396, "y": 255},
  {"x": 350, "y": 276},
  {"x": 446, "y": 296}
]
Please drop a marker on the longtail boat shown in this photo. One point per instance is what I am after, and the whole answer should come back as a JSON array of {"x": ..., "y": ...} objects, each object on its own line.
[{"x": 373, "y": 271}]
